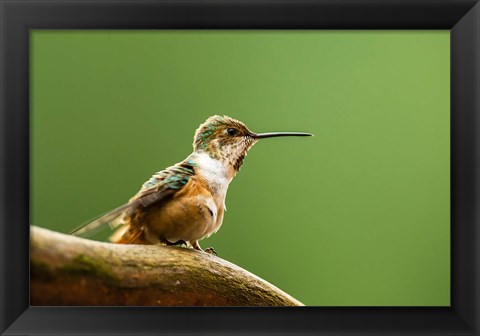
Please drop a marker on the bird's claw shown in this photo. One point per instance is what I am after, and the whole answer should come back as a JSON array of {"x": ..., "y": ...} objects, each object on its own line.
[{"x": 211, "y": 250}]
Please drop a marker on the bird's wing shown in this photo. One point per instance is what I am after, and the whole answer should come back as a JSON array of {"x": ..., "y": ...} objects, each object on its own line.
[
  {"x": 161, "y": 186},
  {"x": 96, "y": 225}
]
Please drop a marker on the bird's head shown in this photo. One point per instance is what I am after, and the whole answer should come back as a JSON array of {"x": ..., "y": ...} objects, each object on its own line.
[{"x": 229, "y": 140}]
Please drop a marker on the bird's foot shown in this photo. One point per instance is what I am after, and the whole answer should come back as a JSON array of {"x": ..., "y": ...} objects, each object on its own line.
[
  {"x": 197, "y": 247},
  {"x": 178, "y": 242},
  {"x": 210, "y": 250}
]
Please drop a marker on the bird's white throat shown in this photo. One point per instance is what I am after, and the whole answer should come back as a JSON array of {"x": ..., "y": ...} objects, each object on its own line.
[{"x": 215, "y": 173}]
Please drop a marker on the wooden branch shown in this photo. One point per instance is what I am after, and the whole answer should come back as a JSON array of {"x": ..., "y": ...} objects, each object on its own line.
[{"x": 67, "y": 270}]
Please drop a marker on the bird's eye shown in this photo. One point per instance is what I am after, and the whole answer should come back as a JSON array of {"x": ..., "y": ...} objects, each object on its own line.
[{"x": 232, "y": 131}]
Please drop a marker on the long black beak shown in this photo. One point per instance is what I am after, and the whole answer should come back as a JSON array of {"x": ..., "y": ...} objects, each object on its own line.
[{"x": 279, "y": 134}]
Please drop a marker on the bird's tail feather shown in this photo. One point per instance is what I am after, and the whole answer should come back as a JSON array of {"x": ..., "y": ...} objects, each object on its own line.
[{"x": 112, "y": 218}]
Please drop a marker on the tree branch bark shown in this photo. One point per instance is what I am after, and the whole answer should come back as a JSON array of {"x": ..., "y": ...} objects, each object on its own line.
[{"x": 67, "y": 270}]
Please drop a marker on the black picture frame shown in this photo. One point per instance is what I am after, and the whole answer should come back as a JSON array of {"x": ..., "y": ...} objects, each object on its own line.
[{"x": 17, "y": 17}]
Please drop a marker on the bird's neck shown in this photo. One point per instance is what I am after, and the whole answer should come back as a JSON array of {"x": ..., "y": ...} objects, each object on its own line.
[{"x": 216, "y": 173}]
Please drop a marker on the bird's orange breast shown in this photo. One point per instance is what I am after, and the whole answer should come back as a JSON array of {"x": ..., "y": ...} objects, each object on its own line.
[{"x": 190, "y": 214}]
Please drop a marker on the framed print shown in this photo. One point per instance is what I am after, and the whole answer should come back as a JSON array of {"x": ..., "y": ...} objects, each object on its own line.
[{"x": 372, "y": 224}]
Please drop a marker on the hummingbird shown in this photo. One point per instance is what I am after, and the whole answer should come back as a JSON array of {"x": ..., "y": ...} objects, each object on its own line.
[{"x": 185, "y": 203}]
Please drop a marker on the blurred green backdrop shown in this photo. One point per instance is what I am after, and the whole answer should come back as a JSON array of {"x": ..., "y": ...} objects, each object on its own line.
[{"x": 357, "y": 215}]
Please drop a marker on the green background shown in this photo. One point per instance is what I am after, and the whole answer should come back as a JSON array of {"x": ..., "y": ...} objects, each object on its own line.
[{"x": 357, "y": 215}]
